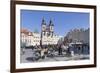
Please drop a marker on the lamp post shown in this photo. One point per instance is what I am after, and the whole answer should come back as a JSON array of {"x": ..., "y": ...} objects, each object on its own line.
[{"x": 41, "y": 40}]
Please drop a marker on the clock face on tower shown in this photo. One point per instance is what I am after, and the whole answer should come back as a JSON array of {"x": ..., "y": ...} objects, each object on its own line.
[
  {"x": 51, "y": 28},
  {"x": 43, "y": 27}
]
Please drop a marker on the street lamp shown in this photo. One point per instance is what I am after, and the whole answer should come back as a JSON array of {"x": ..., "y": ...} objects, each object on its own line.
[{"x": 41, "y": 40}]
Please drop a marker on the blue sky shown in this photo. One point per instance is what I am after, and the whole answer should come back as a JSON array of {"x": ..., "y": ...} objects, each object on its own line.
[{"x": 63, "y": 21}]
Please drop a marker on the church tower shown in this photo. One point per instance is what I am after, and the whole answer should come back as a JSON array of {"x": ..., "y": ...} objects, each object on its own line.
[
  {"x": 51, "y": 28},
  {"x": 43, "y": 25}
]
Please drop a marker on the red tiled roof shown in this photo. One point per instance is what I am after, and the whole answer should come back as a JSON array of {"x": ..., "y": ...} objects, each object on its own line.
[{"x": 25, "y": 31}]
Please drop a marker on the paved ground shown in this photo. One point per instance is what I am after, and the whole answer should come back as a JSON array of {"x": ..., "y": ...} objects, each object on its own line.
[{"x": 28, "y": 57}]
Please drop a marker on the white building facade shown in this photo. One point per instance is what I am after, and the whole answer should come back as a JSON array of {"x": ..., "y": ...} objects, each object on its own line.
[
  {"x": 47, "y": 36},
  {"x": 26, "y": 37}
]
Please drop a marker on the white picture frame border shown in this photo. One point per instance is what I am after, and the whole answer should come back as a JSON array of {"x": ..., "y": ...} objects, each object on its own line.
[{"x": 53, "y": 64}]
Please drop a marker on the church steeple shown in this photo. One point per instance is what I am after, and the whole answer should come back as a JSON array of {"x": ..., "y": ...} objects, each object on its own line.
[
  {"x": 51, "y": 28},
  {"x": 51, "y": 23},
  {"x": 43, "y": 26},
  {"x": 43, "y": 22},
  {"x": 47, "y": 29}
]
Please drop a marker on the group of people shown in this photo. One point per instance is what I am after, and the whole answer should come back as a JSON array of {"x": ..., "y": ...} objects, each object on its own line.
[
  {"x": 50, "y": 50},
  {"x": 45, "y": 51}
]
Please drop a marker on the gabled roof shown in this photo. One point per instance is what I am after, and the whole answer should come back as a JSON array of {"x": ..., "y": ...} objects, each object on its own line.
[{"x": 26, "y": 32}]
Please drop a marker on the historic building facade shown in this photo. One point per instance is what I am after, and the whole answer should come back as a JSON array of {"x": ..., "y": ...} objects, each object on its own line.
[
  {"x": 26, "y": 37},
  {"x": 79, "y": 35},
  {"x": 47, "y": 35}
]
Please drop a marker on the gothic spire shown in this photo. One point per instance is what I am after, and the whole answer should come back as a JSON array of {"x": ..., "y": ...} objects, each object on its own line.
[
  {"x": 51, "y": 23},
  {"x": 43, "y": 21}
]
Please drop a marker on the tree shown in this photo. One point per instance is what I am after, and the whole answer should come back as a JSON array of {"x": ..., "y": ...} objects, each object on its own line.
[
  {"x": 36, "y": 31},
  {"x": 23, "y": 44},
  {"x": 60, "y": 41}
]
